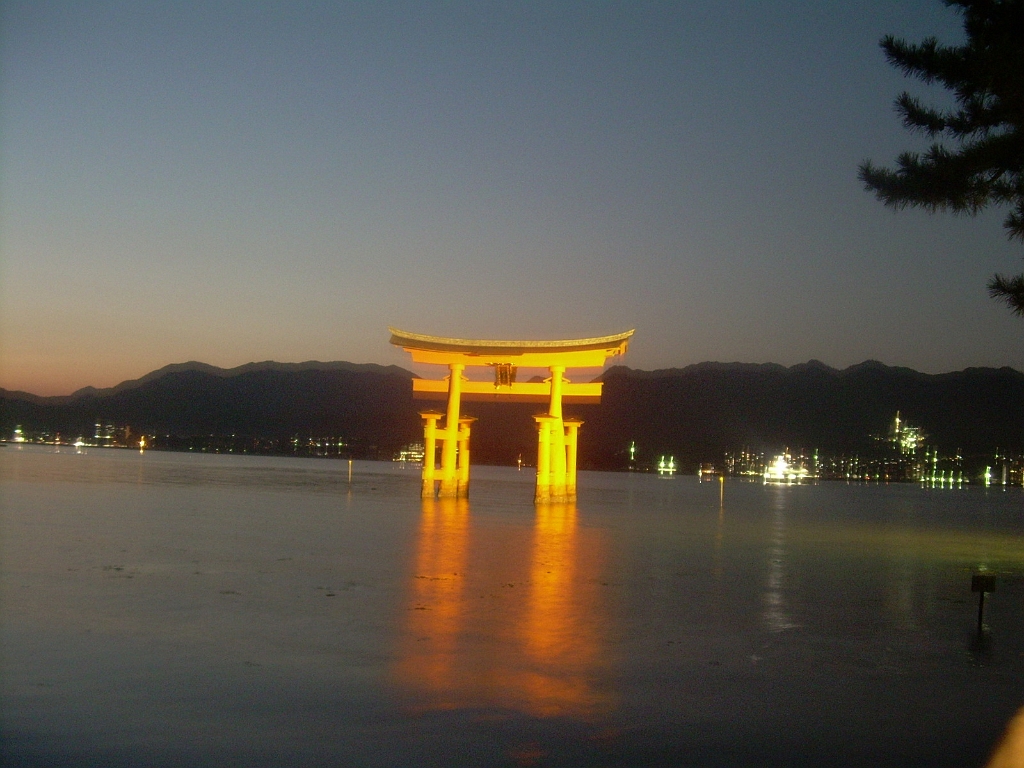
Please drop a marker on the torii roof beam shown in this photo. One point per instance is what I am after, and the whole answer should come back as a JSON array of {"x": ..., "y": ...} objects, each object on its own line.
[{"x": 569, "y": 353}]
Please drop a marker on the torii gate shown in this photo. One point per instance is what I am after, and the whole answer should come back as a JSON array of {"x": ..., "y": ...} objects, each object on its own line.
[{"x": 557, "y": 437}]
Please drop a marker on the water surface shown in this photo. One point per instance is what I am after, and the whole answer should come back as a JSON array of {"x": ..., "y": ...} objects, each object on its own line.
[{"x": 165, "y": 609}]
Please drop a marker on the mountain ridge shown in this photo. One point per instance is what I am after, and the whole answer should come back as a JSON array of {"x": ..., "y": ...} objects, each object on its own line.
[
  {"x": 695, "y": 413},
  {"x": 317, "y": 365},
  {"x": 213, "y": 370}
]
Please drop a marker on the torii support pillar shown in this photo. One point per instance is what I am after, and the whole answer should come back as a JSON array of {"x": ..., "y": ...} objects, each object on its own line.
[
  {"x": 463, "y": 465},
  {"x": 427, "y": 489},
  {"x": 556, "y": 432},
  {"x": 556, "y": 484},
  {"x": 449, "y": 450},
  {"x": 543, "y": 494},
  {"x": 572, "y": 429}
]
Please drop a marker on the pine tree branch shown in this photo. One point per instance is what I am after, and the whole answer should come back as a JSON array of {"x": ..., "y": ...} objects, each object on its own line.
[
  {"x": 1009, "y": 290},
  {"x": 1014, "y": 222},
  {"x": 917, "y": 117}
]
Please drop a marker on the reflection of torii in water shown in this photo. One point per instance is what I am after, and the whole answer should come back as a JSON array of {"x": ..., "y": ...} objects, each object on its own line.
[
  {"x": 541, "y": 648},
  {"x": 556, "y": 441}
]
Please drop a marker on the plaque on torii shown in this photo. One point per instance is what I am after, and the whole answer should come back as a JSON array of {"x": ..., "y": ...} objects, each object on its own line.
[{"x": 556, "y": 436}]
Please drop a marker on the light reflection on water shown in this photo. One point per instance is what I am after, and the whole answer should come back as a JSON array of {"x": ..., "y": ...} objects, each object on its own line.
[
  {"x": 776, "y": 616},
  {"x": 292, "y": 618},
  {"x": 500, "y": 618}
]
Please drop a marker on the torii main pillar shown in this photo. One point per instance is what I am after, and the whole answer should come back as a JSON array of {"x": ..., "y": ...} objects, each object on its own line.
[{"x": 557, "y": 437}]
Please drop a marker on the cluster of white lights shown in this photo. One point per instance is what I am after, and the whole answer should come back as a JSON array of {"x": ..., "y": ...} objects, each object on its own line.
[{"x": 782, "y": 471}]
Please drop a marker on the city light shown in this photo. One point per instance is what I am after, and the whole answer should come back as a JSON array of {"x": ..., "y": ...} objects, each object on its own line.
[{"x": 783, "y": 470}]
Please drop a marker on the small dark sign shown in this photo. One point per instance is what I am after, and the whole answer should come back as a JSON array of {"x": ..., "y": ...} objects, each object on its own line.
[{"x": 983, "y": 582}]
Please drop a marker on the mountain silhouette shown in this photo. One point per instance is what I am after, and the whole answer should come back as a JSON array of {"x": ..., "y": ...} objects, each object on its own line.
[{"x": 694, "y": 413}]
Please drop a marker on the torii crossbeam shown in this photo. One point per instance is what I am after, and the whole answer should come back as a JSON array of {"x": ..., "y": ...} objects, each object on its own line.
[{"x": 557, "y": 437}]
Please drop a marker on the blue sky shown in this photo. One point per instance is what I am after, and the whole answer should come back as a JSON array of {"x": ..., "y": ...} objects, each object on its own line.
[{"x": 240, "y": 181}]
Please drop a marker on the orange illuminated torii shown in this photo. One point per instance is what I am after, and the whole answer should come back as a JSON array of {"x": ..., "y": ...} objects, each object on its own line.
[{"x": 557, "y": 437}]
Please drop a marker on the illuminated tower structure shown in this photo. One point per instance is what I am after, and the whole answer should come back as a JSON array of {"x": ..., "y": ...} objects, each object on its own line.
[{"x": 557, "y": 437}]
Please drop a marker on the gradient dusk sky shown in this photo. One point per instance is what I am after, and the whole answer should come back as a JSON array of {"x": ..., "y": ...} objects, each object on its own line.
[{"x": 242, "y": 181}]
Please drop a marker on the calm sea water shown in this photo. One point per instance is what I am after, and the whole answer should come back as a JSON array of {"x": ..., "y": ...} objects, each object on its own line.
[{"x": 166, "y": 609}]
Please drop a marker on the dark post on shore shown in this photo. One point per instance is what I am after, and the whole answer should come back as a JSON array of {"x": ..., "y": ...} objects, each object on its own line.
[{"x": 982, "y": 583}]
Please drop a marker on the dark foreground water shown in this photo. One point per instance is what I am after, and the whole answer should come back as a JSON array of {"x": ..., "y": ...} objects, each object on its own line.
[{"x": 171, "y": 609}]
